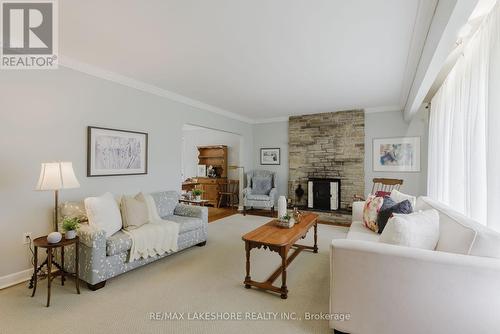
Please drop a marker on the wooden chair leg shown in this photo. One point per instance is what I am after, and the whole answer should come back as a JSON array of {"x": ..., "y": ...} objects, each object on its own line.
[{"x": 220, "y": 200}]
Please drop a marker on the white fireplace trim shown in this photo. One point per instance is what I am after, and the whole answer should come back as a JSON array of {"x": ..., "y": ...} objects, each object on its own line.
[{"x": 310, "y": 195}]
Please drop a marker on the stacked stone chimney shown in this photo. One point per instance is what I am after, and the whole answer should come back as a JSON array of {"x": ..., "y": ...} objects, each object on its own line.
[{"x": 327, "y": 145}]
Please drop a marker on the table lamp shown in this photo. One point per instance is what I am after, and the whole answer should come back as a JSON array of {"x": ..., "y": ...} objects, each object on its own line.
[{"x": 55, "y": 176}]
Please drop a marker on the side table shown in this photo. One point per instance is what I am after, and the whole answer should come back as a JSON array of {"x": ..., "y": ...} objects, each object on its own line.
[
  {"x": 43, "y": 243},
  {"x": 200, "y": 202}
]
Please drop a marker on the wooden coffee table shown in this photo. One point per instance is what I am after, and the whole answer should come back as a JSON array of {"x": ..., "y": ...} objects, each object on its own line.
[{"x": 280, "y": 240}]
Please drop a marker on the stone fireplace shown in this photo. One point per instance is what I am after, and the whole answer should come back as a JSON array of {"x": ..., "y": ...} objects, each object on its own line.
[{"x": 327, "y": 149}]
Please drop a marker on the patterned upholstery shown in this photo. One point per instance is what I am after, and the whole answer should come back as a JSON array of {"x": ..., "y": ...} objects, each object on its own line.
[
  {"x": 118, "y": 243},
  {"x": 259, "y": 200},
  {"x": 101, "y": 259},
  {"x": 187, "y": 224},
  {"x": 252, "y": 197},
  {"x": 166, "y": 201}
]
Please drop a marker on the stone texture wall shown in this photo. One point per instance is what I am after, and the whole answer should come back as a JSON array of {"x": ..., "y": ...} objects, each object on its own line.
[{"x": 327, "y": 145}]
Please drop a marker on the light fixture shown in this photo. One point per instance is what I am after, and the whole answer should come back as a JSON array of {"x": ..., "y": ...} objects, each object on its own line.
[{"x": 55, "y": 176}]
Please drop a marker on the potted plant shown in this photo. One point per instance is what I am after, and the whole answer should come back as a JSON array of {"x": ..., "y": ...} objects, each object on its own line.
[
  {"x": 70, "y": 225},
  {"x": 197, "y": 194},
  {"x": 286, "y": 221}
]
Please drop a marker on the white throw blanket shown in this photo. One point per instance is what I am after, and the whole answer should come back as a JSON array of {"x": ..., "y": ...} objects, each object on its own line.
[{"x": 157, "y": 237}]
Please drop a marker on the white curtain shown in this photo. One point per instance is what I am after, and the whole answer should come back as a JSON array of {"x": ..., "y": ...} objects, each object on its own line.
[{"x": 464, "y": 130}]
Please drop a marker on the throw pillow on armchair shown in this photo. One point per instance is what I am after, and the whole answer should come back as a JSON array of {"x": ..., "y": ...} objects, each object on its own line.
[{"x": 261, "y": 185}]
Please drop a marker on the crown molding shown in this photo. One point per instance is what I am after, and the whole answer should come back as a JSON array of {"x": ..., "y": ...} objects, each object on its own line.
[
  {"x": 145, "y": 87},
  {"x": 383, "y": 109},
  {"x": 271, "y": 120}
]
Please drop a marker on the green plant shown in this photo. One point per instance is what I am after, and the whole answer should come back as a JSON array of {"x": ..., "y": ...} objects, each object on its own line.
[
  {"x": 70, "y": 224},
  {"x": 285, "y": 217},
  {"x": 197, "y": 192}
]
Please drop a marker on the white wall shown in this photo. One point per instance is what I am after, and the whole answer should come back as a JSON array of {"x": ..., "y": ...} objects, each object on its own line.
[
  {"x": 377, "y": 125},
  {"x": 392, "y": 124},
  {"x": 271, "y": 135},
  {"x": 44, "y": 117},
  {"x": 204, "y": 137}
]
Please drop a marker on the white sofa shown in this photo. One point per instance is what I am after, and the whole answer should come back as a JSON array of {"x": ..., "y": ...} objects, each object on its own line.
[{"x": 387, "y": 289}]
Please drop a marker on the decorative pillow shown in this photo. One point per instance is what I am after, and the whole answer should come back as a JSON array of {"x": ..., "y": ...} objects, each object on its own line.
[
  {"x": 261, "y": 185},
  {"x": 389, "y": 208},
  {"x": 381, "y": 193},
  {"x": 134, "y": 211},
  {"x": 166, "y": 201},
  {"x": 103, "y": 212},
  {"x": 418, "y": 230},
  {"x": 398, "y": 197},
  {"x": 371, "y": 210}
]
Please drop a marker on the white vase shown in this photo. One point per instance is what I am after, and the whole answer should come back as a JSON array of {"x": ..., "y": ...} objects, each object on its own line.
[
  {"x": 70, "y": 234},
  {"x": 282, "y": 206},
  {"x": 197, "y": 198}
]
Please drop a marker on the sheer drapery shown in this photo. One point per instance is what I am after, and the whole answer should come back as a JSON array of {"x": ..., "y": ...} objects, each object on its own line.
[{"x": 464, "y": 130}]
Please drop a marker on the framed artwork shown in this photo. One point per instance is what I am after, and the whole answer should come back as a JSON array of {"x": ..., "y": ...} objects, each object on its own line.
[
  {"x": 270, "y": 156},
  {"x": 202, "y": 171},
  {"x": 113, "y": 152},
  {"x": 400, "y": 154}
]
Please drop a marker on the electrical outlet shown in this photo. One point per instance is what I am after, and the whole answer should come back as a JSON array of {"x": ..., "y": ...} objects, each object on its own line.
[{"x": 26, "y": 238}]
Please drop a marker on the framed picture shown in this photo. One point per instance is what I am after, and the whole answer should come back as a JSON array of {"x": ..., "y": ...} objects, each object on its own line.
[
  {"x": 270, "y": 156},
  {"x": 396, "y": 154},
  {"x": 116, "y": 152},
  {"x": 202, "y": 171}
]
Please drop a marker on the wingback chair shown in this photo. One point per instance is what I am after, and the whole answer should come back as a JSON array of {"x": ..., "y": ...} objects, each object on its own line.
[{"x": 260, "y": 191}]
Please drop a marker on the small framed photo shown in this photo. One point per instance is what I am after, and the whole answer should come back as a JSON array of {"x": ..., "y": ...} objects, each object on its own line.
[
  {"x": 202, "y": 170},
  {"x": 112, "y": 152},
  {"x": 270, "y": 156},
  {"x": 400, "y": 154}
]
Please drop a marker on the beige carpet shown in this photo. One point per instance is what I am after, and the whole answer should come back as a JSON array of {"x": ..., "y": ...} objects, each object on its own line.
[{"x": 206, "y": 279}]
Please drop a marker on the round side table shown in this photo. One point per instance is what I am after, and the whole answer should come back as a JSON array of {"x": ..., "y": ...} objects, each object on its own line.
[{"x": 43, "y": 243}]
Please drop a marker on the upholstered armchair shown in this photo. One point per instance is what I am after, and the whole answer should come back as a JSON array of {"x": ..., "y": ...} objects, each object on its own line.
[{"x": 260, "y": 191}]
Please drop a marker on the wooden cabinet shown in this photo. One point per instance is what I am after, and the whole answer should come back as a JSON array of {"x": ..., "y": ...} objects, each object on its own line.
[
  {"x": 215, "y": 156},
  {"x": 211, "y": 188}
]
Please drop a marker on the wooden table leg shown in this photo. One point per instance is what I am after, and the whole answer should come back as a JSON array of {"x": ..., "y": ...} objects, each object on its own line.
[
  {"x": 62, "y": 265},
  {"x": 35, "y": 274},
  {"x": 284, "y": 290},
  {"x": 77, "y": 279},
  {"x": 49, "y": 271},
  {"x": 247, "y": 277},
  {"x": 315, "y": 249}
]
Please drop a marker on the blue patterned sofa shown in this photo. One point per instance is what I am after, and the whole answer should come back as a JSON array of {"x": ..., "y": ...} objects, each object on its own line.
[{"x": 101, "y": 258}]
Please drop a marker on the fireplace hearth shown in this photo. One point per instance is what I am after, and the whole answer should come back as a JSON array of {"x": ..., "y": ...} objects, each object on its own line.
[{"x": 323, "y": 194}]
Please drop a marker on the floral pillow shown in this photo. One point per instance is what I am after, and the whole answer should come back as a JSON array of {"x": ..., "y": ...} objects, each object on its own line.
[{"x": 371, "y": 210}]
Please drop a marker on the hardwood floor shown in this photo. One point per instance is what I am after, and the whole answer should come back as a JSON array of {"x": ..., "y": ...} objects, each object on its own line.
[{"x": 219, "y": 213}]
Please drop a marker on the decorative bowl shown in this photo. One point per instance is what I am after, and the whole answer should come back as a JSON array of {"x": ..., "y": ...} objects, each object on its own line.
[{"x": 54, "y": 237}]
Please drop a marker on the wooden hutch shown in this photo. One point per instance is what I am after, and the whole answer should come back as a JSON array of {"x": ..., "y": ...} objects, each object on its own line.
[{"x": 215, "y": 156}]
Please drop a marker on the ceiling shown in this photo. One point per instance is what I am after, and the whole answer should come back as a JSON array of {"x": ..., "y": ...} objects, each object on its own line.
[{"x": 257, "y": 59}]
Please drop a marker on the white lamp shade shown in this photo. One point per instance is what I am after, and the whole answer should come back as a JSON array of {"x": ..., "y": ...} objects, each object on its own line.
[{"x": 57, "y": 175}]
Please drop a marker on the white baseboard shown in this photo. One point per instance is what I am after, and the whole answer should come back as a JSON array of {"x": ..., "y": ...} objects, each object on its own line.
[{"x": 15, "y": 278}]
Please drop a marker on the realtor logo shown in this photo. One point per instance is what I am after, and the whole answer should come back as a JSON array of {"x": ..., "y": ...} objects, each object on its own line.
[{"x": 29, "y": 35}]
